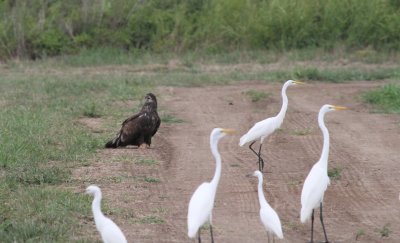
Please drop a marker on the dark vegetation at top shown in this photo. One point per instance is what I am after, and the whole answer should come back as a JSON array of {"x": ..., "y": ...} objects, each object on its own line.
[{"x": 36, "y": 29}]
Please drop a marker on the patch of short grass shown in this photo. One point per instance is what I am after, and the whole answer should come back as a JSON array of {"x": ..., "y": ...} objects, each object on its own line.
[
  {"x": 360, "y": 233},
  {"x": 151, "y": 219},
  {"x": 386, "y": 98},
  {"x": 32, "y": 175},
  {"x": 41, "y": 214},
  {"x": 290, "y": 225},
  {"x": 152, "y": 179},
  {"x": 144, "y": 161},
  {"x": 91, "y": 110},
  {"x": 385, "y": 231},
  {"x": 302, "y": 132},
  {"x": 168, "y": 118},
  {"x": 343, "y": 75},
  {"x": 256, "y": 95},
  {"x": 335, "y": 173}
]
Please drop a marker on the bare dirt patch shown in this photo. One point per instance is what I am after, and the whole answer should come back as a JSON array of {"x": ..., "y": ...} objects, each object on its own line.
[{"x": 364, "y": 145}]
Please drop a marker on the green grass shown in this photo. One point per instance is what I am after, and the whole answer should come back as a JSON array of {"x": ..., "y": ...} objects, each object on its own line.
[
  {"x": 256, "y": 95},
  {"x": 167, "y": 118},
  {"x": 385, "y": 231},
  {"x": 343, "y": 75},
  {"x": 151, "y": 219},
  {"x": 45, "y": 214},
  {"x": 360, "y": 233},
  {"x": 152, "y": 180},
  {"x": 143, "y": 161},
  {"x": 40, "y": 112},
  {"x": 90, "y": 110},
  {"x": 386, "y": 98},
  {"x": 335, "y": 173}
]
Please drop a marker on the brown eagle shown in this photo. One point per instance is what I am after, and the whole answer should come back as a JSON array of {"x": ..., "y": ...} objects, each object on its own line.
[{"x": 139, "y": 128}]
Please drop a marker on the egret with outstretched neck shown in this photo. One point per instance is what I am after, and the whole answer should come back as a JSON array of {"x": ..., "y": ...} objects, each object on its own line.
[
  {"x": 264, "y": 128},
  {"x": 109, "y": 231},
  {"x": 317, "y": 180},
  {"x": 202, "y": 202},
  {"x": 269, "y": 217}
]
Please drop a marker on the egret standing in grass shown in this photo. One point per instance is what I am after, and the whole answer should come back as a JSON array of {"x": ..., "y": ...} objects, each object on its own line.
[
  {"x": 109, "y": 231},
  {"x": 264, "y": 128},
  {"x": 202, "y": 202},
  {"x": 269, "y": 217},
  {"x": 317, "y": 180}
]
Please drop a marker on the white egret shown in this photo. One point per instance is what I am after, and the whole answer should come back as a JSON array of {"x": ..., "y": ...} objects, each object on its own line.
[
  {"x": 264, "y": 128},
  {"x": 317, "y": 180},
  {"x": 269, "y": 217},
  {"x": 202, "y": 201},
  {"x": 109, "y": 231}
]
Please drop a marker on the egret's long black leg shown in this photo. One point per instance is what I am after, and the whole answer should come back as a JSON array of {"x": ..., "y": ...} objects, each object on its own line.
[
  {"x": 198, "y": 234},
  {"x": 260, "y": 160},
  {"x": 251, "y": 148},
  {"x": 312, "y": 226},
  {"x": 268, "y": 236},
  {"x": 211, "y": 232},
  {"x": 322, "y": 222}
]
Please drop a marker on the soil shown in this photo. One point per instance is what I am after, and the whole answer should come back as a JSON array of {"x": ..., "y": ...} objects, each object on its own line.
[{"x": 149, "y": 200}]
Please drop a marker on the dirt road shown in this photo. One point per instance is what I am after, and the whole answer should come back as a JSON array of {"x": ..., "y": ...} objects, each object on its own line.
[{"x": 364, "y": 147}]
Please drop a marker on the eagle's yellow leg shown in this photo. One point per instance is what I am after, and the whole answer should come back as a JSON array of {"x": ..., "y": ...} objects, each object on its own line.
[{"x": 144, "y": 146}]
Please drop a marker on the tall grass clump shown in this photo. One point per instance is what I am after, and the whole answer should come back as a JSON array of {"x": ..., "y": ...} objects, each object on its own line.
[
  {"x": 386, "y": 98},
  {"x": 36, "y": 29}
]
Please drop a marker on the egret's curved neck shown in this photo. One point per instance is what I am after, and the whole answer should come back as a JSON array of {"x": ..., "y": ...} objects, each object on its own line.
[
  {"x": 96, "y": 208},
  {"x": 217, "y": 156},
  {"x": 261, "y": 197},
  {"x": 282, "y": 112},
  {"x": 325, "y": 149}
]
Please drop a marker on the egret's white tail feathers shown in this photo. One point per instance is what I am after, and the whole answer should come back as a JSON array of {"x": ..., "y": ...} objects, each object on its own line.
[
  {"x": 279, "y": 233},
  {"x": 192, "y": 231},
  {"x": 305, "y": 214}
]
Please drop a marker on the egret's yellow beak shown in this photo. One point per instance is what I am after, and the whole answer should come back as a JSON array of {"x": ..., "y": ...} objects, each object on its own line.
[
  {"x": 298, "y": 82},
  {"x": 228, "y": 131},
  {"x": 337, "y": 108}
]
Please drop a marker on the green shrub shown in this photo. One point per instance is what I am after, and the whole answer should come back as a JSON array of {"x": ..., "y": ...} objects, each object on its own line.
[{"x": 386, "y": 98}]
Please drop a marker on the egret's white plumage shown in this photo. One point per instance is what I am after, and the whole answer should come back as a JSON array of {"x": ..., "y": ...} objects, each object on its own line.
[
  {"x": 109, "y": 231},
  {"x": 269, "y": 217},
  {"x": 264, "y": 128},
  {"x": 317, "y": 180},
  {"x": 202, "y": 201}
]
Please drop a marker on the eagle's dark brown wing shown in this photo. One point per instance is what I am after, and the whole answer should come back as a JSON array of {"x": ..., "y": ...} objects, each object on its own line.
[
  {"x": 157, "y": 124},
  {"x": 126, "y": 133},
  {"x": 131, "y": 118},
  {"x": 136, "y": 130}
]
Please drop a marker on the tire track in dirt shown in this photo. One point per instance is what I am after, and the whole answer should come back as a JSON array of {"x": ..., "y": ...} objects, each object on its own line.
[{"x": 204, "y": 109}]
